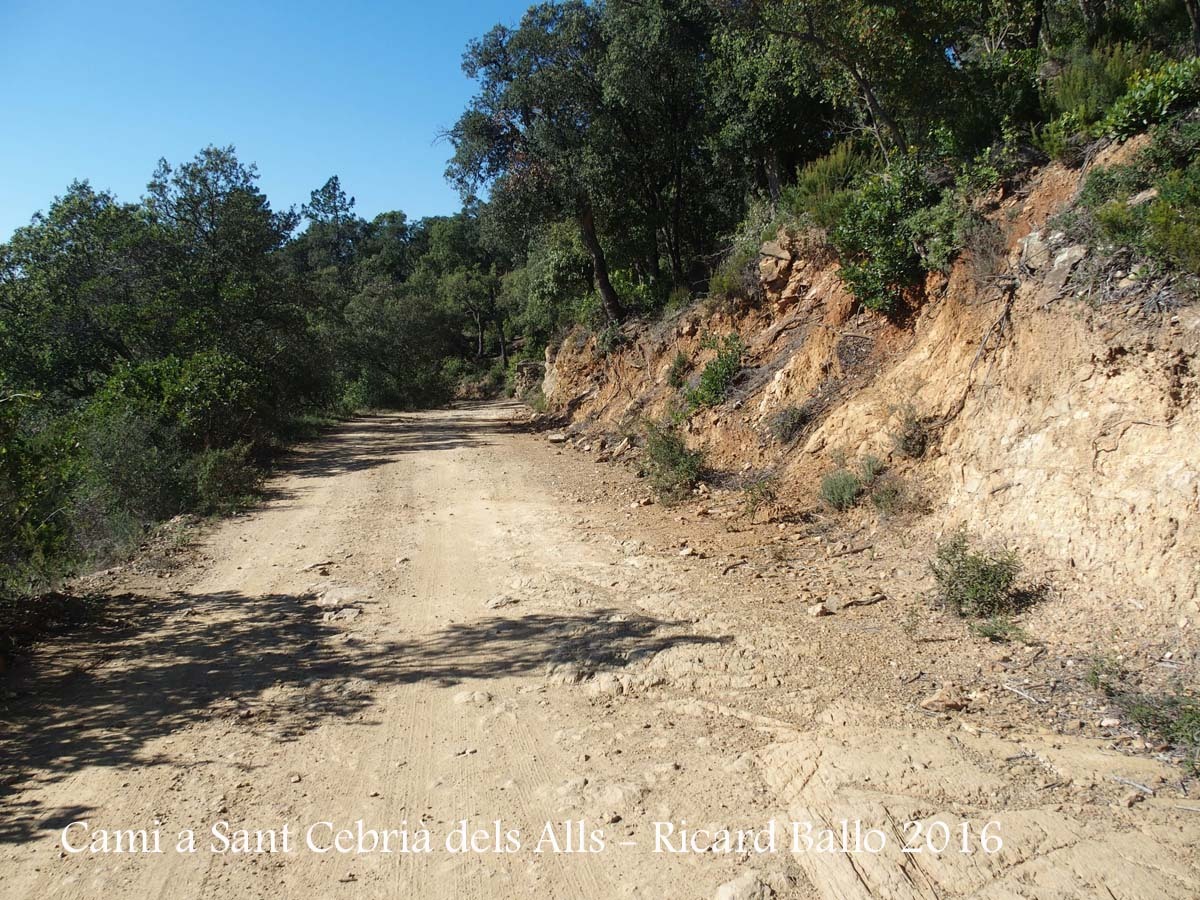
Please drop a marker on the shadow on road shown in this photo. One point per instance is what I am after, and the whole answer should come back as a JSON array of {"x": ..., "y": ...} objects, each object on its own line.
[{"x": 267, "y": 664}]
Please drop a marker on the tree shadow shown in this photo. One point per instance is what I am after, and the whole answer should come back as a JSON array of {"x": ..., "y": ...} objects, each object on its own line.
[{"x": 272, "y": 664}]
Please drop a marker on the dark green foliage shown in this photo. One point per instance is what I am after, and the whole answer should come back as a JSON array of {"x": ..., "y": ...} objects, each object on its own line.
[
  {"x": 824, "y": 186},
  {"x": 877, "y": 236},
  {"x": 225, "y": 479},
  {"x": 1092, "y": 80},
  {"x": 1163, "y": 230},
  {"x": 673, "y": 469},
  {"x": 1153, "y": 95},
  {"x": 973, "y": 583},
  {"x": 720, "y": 373}
]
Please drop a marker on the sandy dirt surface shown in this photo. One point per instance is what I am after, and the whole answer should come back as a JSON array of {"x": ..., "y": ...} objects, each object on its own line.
[{"x": 441, "y": 617}]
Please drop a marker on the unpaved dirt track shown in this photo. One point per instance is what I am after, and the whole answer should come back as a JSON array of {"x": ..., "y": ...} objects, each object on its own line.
[{"x": 418, "y": 628}]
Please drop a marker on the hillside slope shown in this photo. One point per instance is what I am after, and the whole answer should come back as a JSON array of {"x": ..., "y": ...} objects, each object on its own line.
[{"x": 1059, "y": 426}]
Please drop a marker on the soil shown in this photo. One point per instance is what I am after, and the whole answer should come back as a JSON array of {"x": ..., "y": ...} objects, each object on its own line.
[{"x": 443, "y": 616}]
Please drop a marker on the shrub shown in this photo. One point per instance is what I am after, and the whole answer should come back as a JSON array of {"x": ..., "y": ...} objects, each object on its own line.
[
  {"x": 974, "y": 583},
  {"x": 225, "y": 479},
  {"x": 759, "y": 492},
  {"x": 673, "y": 468},
  {"x": 610, "y": 339},
  {"x": 872, "y": 467},
  {"x": 1173, "y": 717},
  {"x": 1063, "y": 138},
  {"x": 786, "y": 424},
  {"x": 737, "y": 274},
  {"x": 1092, "y": 80},
  {"x": 1163, "y": 231},
  {"x": 911, "y": 436},
  {"x": 1153, "y": 95},
  {"x": 889, "y": 496},
  {"x": 677, "y": 374},
  {"x": 876, "y": 237},
  {"x": 824, "y": 187},
  {"x": 718, "y": 376},
  {"x": 841, "y": 489}
]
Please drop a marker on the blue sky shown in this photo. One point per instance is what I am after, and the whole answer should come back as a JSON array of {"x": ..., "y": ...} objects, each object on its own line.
[{"x": 305, "y": 89}]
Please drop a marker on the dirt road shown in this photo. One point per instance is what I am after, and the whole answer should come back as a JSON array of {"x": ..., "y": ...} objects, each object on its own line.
[{"x": 437, "y": 618}]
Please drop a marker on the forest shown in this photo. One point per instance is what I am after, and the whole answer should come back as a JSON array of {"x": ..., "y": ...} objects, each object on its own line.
[{"x": 620, "y": 160}]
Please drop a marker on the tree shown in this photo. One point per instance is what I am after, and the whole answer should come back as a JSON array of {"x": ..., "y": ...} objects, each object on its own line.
[
  {"x": 893, "y": 62},
  {"x": 533, "y": 132}
]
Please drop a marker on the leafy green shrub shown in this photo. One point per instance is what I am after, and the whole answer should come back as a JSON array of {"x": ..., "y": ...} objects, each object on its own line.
[
  {"x": 673, "y": 469},
  {"x": 31, "y": 488},
  {"x": 975, "y": 583},
  {"x": 1093, "y": 79},
  {"x": 225, "y": 478},
  {"x": 841, "y": 489},
  {"x": 134, "y": 469},
  {"x": 610, "y": 339},
  {"x": 877, "y": 236},
  {"x": 1163, "y": 230},
  {"x": 677, "y": 374},
  {"x": 720, "y": 373},
  {"x": 824, "y": 187},
  {"x": 888, "y": 495},
  {"x": 786, "y": 424},
  {"x": 1153, "y": 95}
]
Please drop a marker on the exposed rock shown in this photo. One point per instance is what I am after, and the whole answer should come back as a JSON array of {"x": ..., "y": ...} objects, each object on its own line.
[
  {"x": 819, "y": 609},
  {"x": 556, "y": 437},
  {"x": 949, "y": 698}
]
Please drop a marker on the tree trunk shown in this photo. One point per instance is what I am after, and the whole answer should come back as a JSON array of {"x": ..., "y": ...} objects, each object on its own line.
[
  {"x": 608, "y": 295},
  {"x": 1193, "y": 11},
  {"x": 479, "y": 336}
]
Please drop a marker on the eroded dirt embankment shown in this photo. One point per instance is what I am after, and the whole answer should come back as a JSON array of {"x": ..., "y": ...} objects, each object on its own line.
[{"x": 1059, "y": 426}]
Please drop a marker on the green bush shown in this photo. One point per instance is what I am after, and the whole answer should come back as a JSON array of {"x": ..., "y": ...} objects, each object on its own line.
[
  {"x": 824, "y": 187},
  {"x": 975, "y": 583},
  {"x": 718, "y": 376},
  {"x": 1093, "y": 79},
  {"x": 1063, "y": 139},
  {"x": 225, "y": 479},
  {"x": 1163, "y": 231},
  {"x": 877, "y": 236},
  {"x": 1000, "y": 630},
  {"x": 786, "y": 424},
  {"x": 673, "y": 469},
  {"x": 1153, "y": 95},
  {"x": 841, "y": 489},
  {"x": 759, "y": 492}
]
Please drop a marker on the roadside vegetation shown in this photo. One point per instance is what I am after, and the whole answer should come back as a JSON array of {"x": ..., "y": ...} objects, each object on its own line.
[{"x": 157, "y": 352}]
